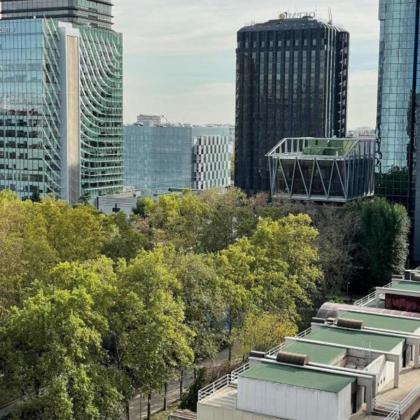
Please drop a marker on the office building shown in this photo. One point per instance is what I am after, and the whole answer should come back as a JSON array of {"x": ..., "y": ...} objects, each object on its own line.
[
  {"x": 159, "y": 158},
  {"x": 323, "y": 170},
  {"x": 61, "y": 99},
  {"x": 95, "y": 13},
  {"x": 211, "y": 156},
  {"x": 398, "y": 177},
  {"x": 291, "y": 82},
  {"x": 354, "y": 361}
]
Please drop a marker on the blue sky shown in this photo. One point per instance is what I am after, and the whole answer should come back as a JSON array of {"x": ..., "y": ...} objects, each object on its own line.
[{"x": 180, "y": 54}]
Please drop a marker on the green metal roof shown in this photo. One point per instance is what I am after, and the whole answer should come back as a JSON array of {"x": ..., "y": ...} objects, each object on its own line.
[
  {"x": 354, "y": 338},
  {"x": 317, "y": 353},
  {"x": 383, "y": 322},
  {"x": 412, "y": 286},
  {"x": 298, "y": 376}
]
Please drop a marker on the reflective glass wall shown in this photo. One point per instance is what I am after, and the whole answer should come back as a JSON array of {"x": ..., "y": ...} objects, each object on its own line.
[
  {"x": 158, "y": 158},
  {"x": 101, "y": 72},
  {"x": 30, "y": 145},
  {"x": 398, "y": 101},
  {"x": 82, "y": 12}
]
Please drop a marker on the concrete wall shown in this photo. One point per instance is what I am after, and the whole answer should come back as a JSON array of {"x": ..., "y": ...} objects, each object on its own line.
[
  {"x": 211, "y": 412},
  {"x": 290, "y": 402},
  {"x": 383, "y": 370}
]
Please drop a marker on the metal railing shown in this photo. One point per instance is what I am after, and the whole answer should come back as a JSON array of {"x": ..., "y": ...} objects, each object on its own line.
[
  {"x": 397, "y": 409},
  {"x": 303, "y": 334},
  {"x": 383, "y": 404},
  {"x": 231, "y": 379},
  {"x": 365, "y": 300},
  {"x": 276, "y": 350},
  {"x": 371, "y": 297}
]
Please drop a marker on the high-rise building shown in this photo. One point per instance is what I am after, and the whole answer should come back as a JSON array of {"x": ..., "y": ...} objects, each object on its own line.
[
  {"x": 291, "y": 82},
  {"x": 96, "y": 13},
  {"x": 398, "y": 123},
  {"x": 60, "y": 99}
]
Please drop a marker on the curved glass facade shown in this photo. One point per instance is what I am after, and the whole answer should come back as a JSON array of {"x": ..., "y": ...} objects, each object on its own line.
[
  {"x": 101, "y": 122},
  {"x": 61, "y": 116},
  {"x": 30, "y": 141}
]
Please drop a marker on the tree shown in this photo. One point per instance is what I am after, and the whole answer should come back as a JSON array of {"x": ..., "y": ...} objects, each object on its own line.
[
  {"x": 25, "y": 253},
  {"x": 231, "y": 216},
  {"x": 263, "y": 330},
  {"x": 201, "y": 293},
  {"x": 51, "y": 355},
  {"x": 336, "y": 241},
  {"x": 75, "y": 233},
  {"x": 149, "y": 340},
  {"x": 382, "y": 242},
  {"x": 124, "y": 240},
  {"x": 275, "y": 270}
]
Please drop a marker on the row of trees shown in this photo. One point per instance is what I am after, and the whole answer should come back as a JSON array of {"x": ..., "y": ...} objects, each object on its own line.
[
  {"x": 360, "y": 244},
  {"x": 95, "y": 309}
]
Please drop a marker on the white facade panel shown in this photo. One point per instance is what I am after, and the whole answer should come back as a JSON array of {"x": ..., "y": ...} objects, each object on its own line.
[{"x": 290, "y": 402}]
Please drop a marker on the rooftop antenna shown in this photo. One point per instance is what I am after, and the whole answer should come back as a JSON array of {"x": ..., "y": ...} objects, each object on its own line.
[{"x": 330, "y": 16}]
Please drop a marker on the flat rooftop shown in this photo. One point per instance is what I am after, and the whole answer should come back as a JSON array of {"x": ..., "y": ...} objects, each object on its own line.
[
  {"x": 383, "y": 322},
  {"x": 411, "y": 286},
  {"x": 354, "y": 338},
  {"x": 317, "y": 353},
  {"x": 298, "y": 376}
]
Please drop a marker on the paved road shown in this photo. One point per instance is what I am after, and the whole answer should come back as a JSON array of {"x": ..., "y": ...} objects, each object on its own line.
[{"x": 139, "y": 405}]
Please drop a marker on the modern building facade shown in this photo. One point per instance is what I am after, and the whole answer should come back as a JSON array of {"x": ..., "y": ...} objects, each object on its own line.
[
  {"x": 291, "y": 82},
  {"x": 323, "y": 170},
  {"x": 211, "y": 157},
  {"x": 398, "y": 177},
  {"x": 95, "y": 13},
  {"x": 159, "y": 158},
  {"x": 61, "y": 99}
]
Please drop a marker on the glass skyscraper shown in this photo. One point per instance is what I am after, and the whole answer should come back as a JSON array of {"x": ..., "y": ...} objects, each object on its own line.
[
  {"x": 61, "y": 99},
  {"x": 398, "y": 177},
  {"x": 291, "y": 81}
]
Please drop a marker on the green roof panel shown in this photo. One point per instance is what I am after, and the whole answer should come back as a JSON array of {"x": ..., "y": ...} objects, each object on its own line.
[
  {"x": 354, "y": 338},
  {"x": 411, "y": 286},
  {"x": 317, "y": 353},
  {"x": 298, "y": 376},
  {"x": 383, "y": 322}
]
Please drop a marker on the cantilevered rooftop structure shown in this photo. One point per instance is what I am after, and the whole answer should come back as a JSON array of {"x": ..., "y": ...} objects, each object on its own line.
[{"x": 322, "y": 169}]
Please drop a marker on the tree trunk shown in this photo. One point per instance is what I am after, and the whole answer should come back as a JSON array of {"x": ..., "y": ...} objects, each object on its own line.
[
  {"x": 165, "y": 396},
  {"x": 127, "y": 409},
  {"x": 230, "y": 339},
  {"x": 181, "y": 383},
  {"x": 149, "y": 406},
  {"x": 141, "y": 407}
]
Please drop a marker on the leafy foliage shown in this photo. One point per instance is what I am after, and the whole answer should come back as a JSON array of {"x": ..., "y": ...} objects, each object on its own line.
[{"x": 382, "y": 245}]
